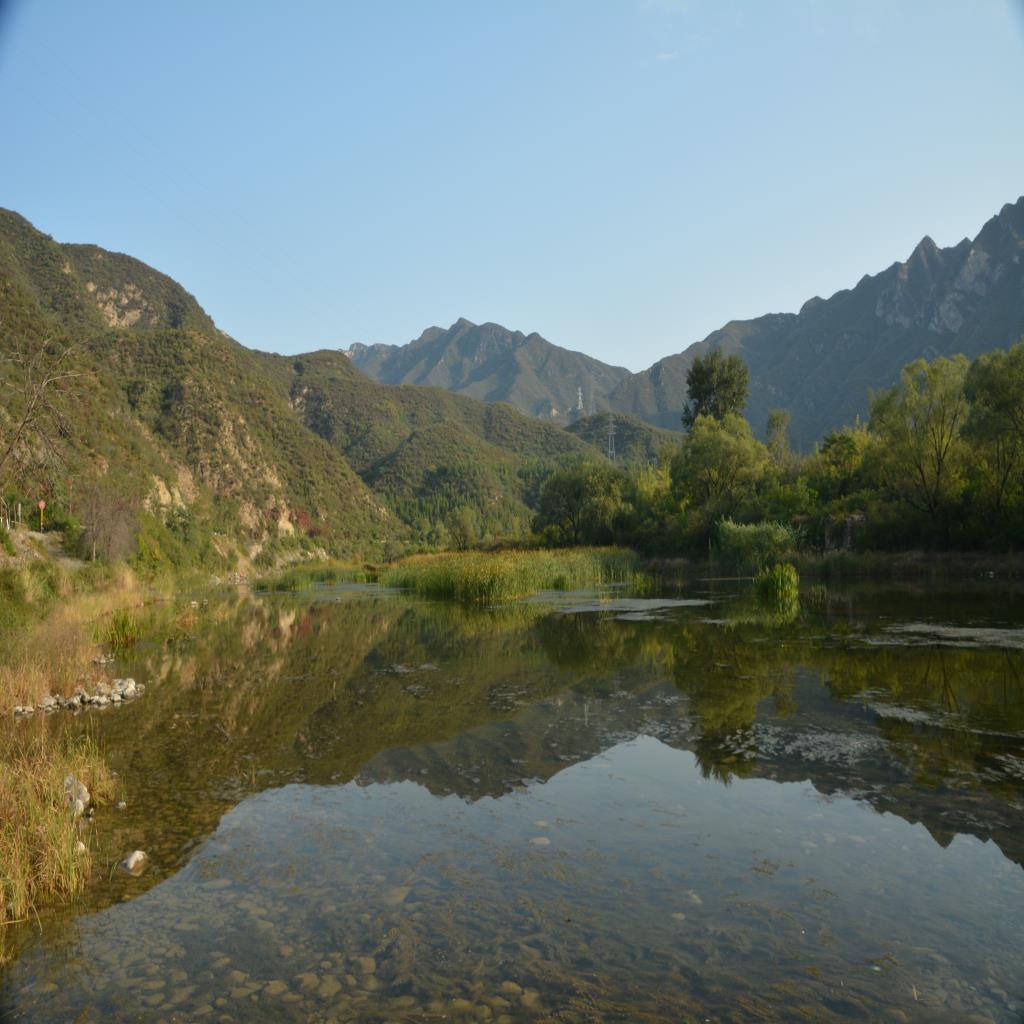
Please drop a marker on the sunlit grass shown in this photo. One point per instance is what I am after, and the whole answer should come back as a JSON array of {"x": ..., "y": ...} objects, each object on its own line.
[
  {"x": 490, "y": 577},
  {"x": 51, "y": 648},
  {"x": 40, "y": 859}
]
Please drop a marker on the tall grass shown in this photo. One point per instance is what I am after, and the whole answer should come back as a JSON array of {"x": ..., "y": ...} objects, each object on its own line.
[
  {"x": 490, "y": 577},
  {"x": 753, "y": 546},
  {"x": 48, "y": 646},
  {"x": 301, "y": 577},
  {"x": 120, "y": 631},
  {"x": 40, "y": 861}
]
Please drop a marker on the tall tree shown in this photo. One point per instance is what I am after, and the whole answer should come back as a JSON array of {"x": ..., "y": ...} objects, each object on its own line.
[
  {"x": 919, "y": 452},
  {"x": 716, "y": 386},
  {"x": 995, "y": 425}
]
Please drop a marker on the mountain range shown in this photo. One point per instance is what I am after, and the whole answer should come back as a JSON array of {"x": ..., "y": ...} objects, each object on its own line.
[
  {"x": 494, "y": 364},
  {"x": 820, "y": 363}
]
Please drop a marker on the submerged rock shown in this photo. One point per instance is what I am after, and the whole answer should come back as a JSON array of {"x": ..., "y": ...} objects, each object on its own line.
[
  {"x": 134, "y": 863},
  {"x": 76, "y": 796}
]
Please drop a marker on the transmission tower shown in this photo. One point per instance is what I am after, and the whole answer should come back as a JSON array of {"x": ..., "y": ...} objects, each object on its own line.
[
  {"x": 579, "y": 399},
  {"x": 611, "y": 437}
]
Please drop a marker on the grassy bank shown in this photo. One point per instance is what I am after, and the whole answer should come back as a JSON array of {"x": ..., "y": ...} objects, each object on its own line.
[
  {"x": 41, "y": 860},
  {"x": 55, "y": 623},
  {"x": 487, "y": 578}
]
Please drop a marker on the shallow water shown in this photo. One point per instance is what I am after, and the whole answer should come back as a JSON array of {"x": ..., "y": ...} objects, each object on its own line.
[{"x": 584, "y": 808}]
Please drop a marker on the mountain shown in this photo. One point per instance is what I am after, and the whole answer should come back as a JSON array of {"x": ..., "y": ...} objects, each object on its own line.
[
  {"x": 821, "y": 363},
  {"x": 221, "y": 454},
  {"x": 494, "y": 364},
  {"x": 635, "y": 440}
]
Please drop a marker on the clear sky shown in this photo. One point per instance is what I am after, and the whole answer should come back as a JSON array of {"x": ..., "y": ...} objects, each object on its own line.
[{"x": 622, "y": 176}]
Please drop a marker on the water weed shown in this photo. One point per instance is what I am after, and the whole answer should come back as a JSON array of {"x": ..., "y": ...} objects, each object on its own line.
[{"x": 490, "y": 577}]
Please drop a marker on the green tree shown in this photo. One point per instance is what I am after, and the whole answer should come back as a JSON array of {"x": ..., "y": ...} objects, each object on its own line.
[
  {"x": 716, "y": 386},
  {"x": 581, "y": 505},
  {"x": 777, "y": 434},
  {"x": 719, "y": 464},
  {"x": 995, "y": 424},
  {"x": 463, "y": 527},
  {"x": 919, "y": 453}
]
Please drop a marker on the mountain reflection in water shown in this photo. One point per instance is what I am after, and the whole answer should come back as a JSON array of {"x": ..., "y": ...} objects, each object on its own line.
[{"x": 365, "y": 807}]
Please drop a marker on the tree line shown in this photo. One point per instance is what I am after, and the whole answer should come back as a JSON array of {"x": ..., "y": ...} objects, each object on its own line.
[{"x": 938, "y": 465}]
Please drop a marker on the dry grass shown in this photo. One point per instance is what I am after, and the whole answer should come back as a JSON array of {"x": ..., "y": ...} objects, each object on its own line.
[
  {"x": 54, "y": 653},
  {"x": 40, "y": 860}
]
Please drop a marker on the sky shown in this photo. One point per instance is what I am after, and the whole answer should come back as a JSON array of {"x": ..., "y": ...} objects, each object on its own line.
[{"x": 622, "y": 176}]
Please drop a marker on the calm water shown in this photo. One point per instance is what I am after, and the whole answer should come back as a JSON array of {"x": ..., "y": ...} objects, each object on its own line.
[{"x": 363, "y": 807}]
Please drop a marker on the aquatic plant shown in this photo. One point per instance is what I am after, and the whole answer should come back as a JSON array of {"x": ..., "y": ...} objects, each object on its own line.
[
  {"x": 780, "y": 583},
  {"x": 121, "y": 631},
  {"x": 753, "y": 546},
  {"x": 42, "y": 856},
  {"x": 489, "y": 577}
]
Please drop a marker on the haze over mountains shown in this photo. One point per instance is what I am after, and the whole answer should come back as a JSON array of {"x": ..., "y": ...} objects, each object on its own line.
[{"x": 820, "y": 363}]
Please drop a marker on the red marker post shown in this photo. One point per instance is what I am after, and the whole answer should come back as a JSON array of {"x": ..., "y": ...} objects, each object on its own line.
[{"x": 42, "y": 505}]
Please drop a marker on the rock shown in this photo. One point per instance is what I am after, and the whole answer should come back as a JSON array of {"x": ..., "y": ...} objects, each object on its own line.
[
  {"x": 134, "y": 863},
  {"x": 116, "y": 698},
  {"x": 511, "y": 988},
  {"x": 48, "y": 704},
  {"x": 540, "y": 841},
  {"x": 121, "y": 805},
  {"x": 329, "y": 987},
  {"x": 79, "y": 847},
  {"x": 76, "y": 796},
  {"x": 275, "y": 988},
  {"x": 24, "y": 710},
  {"x": 308, "y": 981},
  {"x": 366, "y": 964}
]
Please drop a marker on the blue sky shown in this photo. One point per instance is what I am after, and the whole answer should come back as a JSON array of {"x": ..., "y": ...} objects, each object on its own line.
[{"x": 622, "y": 176}]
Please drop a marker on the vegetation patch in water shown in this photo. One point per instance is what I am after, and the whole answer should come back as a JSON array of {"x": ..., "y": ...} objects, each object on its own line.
[
  {"x": 485, "y": 578},
  {"x": 43, "y": 858},
  {"x": 302, "y": 577}
]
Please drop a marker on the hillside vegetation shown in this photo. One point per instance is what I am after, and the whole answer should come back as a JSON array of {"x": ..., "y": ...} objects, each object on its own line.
[{"x": 172, "y": 445}]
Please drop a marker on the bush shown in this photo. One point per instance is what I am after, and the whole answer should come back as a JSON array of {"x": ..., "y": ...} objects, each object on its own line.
[{"x": 753, "y": 546}]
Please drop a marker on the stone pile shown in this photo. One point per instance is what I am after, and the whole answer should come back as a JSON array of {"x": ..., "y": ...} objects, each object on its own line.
[{"x": 117, "y": 692}]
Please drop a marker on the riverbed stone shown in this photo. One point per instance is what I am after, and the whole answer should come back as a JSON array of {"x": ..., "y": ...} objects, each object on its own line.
[{"x": 366, "y": 964}]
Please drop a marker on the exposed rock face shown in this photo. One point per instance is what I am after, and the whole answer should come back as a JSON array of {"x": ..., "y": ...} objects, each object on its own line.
[{"x": 821, "y": 363}]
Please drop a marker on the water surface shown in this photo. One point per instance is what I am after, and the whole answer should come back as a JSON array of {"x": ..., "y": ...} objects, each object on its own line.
[{"x": 359, "y": 806}]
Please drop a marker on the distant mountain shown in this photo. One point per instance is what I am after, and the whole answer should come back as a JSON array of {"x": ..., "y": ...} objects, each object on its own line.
[
  {"x": 821, "y": 363},
  {"x": 494, "y": 364}
]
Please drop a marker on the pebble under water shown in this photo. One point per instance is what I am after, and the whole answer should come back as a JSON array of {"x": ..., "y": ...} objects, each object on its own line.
[{"x": 361, "y": 807}]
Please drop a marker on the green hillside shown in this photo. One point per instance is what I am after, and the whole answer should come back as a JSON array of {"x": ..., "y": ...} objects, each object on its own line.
[
  {"x": 178, "y": 446},
  {"x": 428, "y": 452},
  {"x": 635, "y": 440}
]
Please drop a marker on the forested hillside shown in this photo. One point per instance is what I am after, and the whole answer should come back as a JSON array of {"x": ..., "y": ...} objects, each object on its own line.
[{"x": 167, "y": 441}]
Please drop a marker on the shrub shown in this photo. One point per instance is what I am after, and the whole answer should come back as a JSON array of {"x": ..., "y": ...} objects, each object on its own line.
[{"x": 753, "y": 546}]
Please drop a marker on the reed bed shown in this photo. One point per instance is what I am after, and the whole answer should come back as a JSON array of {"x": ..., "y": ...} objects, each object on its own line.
[
  {"x": 492, "y": 577},
  {"x": 41, "y": 860}
]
